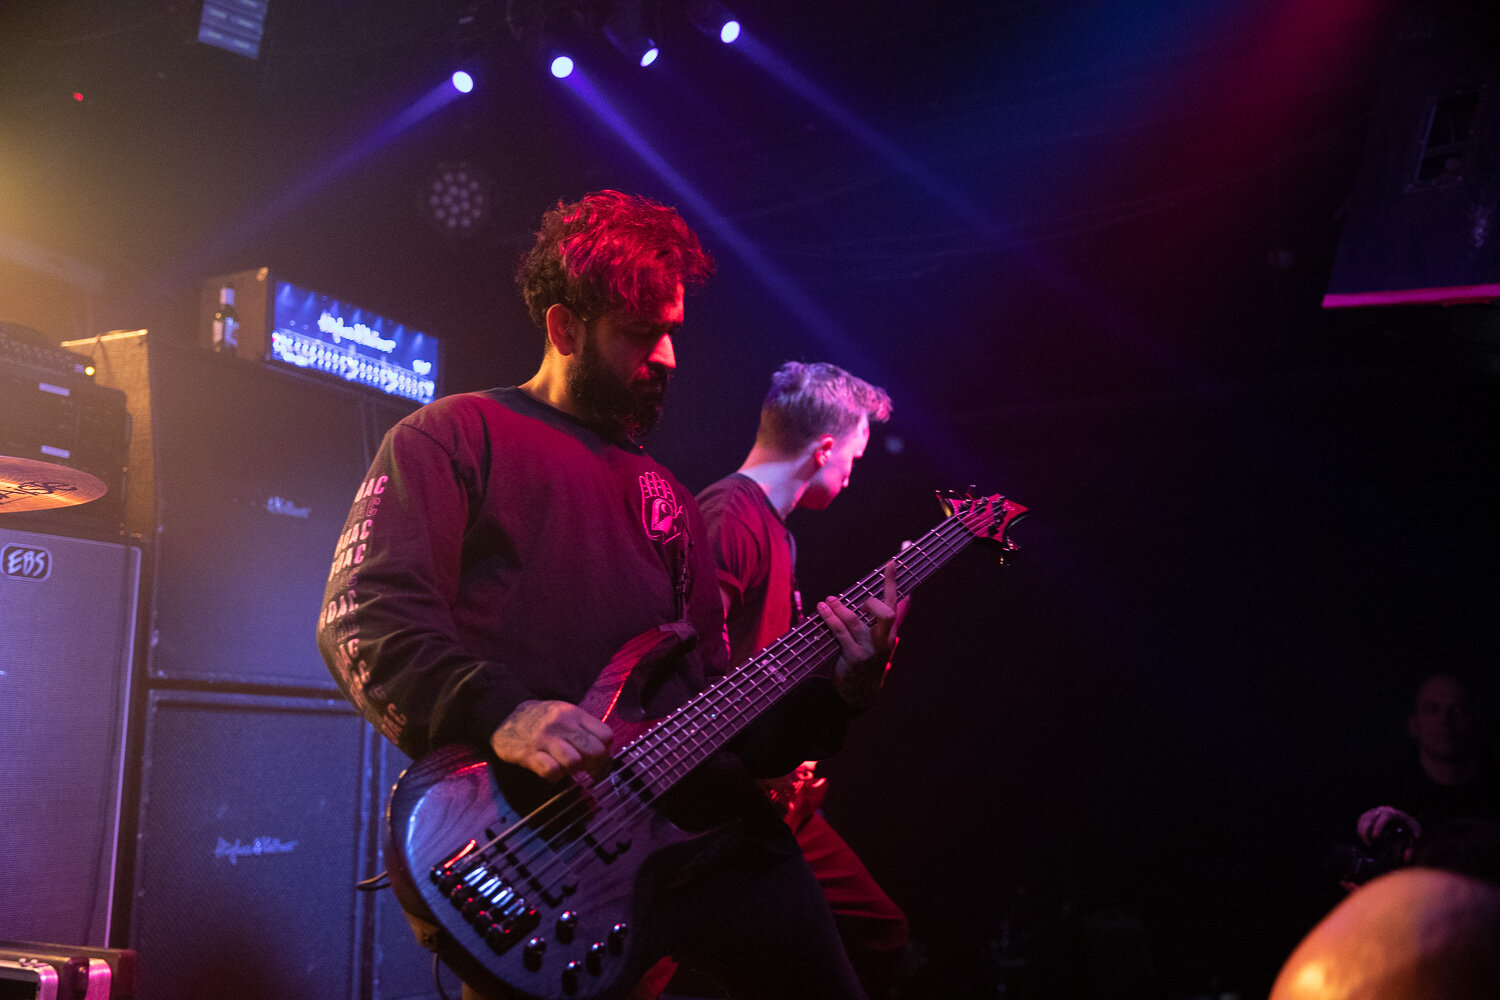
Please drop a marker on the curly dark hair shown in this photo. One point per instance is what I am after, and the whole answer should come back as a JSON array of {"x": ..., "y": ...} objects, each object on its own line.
[{"x": 610, "y": 251}]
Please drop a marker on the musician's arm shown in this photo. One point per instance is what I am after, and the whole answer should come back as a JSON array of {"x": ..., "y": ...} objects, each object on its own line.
[
  {"x": 387, "y": 632},
  {"x": 811, "y": 721}
]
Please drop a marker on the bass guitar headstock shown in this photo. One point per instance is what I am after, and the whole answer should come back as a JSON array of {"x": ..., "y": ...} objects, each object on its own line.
[{"x": 987, "y": 518}]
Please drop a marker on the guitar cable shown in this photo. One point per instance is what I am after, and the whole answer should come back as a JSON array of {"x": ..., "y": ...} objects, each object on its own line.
[{"x": 374, "y": 883}]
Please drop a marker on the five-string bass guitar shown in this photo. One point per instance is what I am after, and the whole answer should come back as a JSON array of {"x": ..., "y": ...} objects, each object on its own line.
[{"x": 543, "y": 895}]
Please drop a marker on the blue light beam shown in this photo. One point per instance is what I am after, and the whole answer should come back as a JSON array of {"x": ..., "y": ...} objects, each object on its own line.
[
  {"x": 817, "y": 322},
  {"x": 298, "y": 193}
]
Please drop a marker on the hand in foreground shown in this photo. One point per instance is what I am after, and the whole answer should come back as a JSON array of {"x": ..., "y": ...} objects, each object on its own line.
[
  {"x": 865, "y": 649},
  {"x": 553, "y": 738},
  {"x": 1375, "y": 824}
]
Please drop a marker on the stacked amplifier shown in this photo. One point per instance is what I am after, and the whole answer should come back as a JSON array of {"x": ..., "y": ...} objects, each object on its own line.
[
  {"x": 258, "y": 786},
  {"x": 232, "y": 803},
  {"x": 63, "y": 438},
  {"x": 68, "y": 608}
]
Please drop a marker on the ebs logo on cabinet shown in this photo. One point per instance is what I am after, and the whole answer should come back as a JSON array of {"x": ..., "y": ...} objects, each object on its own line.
[{"x": 25, "y": 562}]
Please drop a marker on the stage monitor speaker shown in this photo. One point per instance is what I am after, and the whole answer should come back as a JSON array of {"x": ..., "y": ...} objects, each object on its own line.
[
  {"x": 1422, "y": 223},
  {"x": 250, "y": 839},
  {"x": 67, "y": 628}
]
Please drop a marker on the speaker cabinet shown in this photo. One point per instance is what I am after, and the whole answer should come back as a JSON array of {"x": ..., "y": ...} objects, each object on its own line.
[
  {"x": 255, "y": 471},
  {"x": 399, "y": 968},
  {"x": 250, "y": 839},
  {"x": 1422, "y": 223},
  {"x": 67, "y": 627},
  {"x": 244, "y": 476}
]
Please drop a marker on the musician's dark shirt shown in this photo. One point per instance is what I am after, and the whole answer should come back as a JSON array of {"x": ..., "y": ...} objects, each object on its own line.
[
  {"x": 756, "y": 558},
  {"x": 500, "y": 550}
]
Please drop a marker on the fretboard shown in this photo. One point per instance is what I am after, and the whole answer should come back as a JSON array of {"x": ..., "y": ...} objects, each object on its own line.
[{"x": 681, "y": 741}]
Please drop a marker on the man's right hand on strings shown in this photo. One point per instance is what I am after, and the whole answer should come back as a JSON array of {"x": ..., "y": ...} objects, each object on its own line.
[{"x": 553, "y": 739}]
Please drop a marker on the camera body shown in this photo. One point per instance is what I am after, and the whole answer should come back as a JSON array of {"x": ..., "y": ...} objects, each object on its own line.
[{"x": 1358, "y": 863}]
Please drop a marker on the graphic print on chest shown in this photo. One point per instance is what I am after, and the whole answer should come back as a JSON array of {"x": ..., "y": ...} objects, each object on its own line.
[{"x": 661, "y": 514}]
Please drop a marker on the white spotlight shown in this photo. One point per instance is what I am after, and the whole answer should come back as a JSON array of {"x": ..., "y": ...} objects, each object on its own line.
[{"x": 714, "y": 20}]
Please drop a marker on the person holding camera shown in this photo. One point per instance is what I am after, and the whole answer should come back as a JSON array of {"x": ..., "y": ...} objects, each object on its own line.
[
  {"x": 1448, "y": 797},
  {"x": 1426, "y": 914}
]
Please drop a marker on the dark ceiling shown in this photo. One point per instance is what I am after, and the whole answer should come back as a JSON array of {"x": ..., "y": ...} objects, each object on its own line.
[
  {"x": 974, "y": 200},
  {"x": 949, "y": 169},
  {"x": 1082, "y": 243}
]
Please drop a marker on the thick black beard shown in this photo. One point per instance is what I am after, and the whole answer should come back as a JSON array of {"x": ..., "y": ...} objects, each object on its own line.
[{"x": 631, "y": 408}]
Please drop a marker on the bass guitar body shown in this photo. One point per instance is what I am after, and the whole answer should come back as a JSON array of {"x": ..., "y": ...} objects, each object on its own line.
[
  {"x": 536, "y": 900},
  {"x": 542, "y": 890}
]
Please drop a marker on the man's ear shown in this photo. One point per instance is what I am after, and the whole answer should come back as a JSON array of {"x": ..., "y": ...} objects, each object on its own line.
[
  {"x": 822, "y": 449},
  {"x": 564, "y": 329}
]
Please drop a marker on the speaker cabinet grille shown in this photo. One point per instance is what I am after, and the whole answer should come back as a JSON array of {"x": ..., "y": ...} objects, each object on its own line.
[
  {"x": 249, "y": 844},
  {"x": 67, "y": 617},
  {"x": 400, "y": 968},
  {"x": 255, "y": 471}
]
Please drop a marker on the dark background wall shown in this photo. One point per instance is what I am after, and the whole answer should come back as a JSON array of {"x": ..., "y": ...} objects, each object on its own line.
[{"x": 1083, "y": 245}]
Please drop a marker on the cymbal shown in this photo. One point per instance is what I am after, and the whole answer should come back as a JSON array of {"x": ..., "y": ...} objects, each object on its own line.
[{"x": 26, "y": 484}]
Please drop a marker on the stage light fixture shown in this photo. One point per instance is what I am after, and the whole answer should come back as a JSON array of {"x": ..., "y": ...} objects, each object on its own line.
[
  {"x": 234, "y": 25},
  {"x": 714, "y": 20},
  {"x": 624, "y": 31},
  {"x": 457, "y": 199},
  {"x": 462, "y": 82},
  {"x": 561, "y": 65},
  {"x": 639, "y": 48}
]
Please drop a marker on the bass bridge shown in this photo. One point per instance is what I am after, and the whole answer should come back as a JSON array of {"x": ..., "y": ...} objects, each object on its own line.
[
  {"x": 488, "y": 901},
  {"x": 494, "y": 906}
]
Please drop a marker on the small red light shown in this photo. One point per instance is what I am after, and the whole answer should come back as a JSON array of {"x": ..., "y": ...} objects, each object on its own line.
[{"x": 77, "y": 95}]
